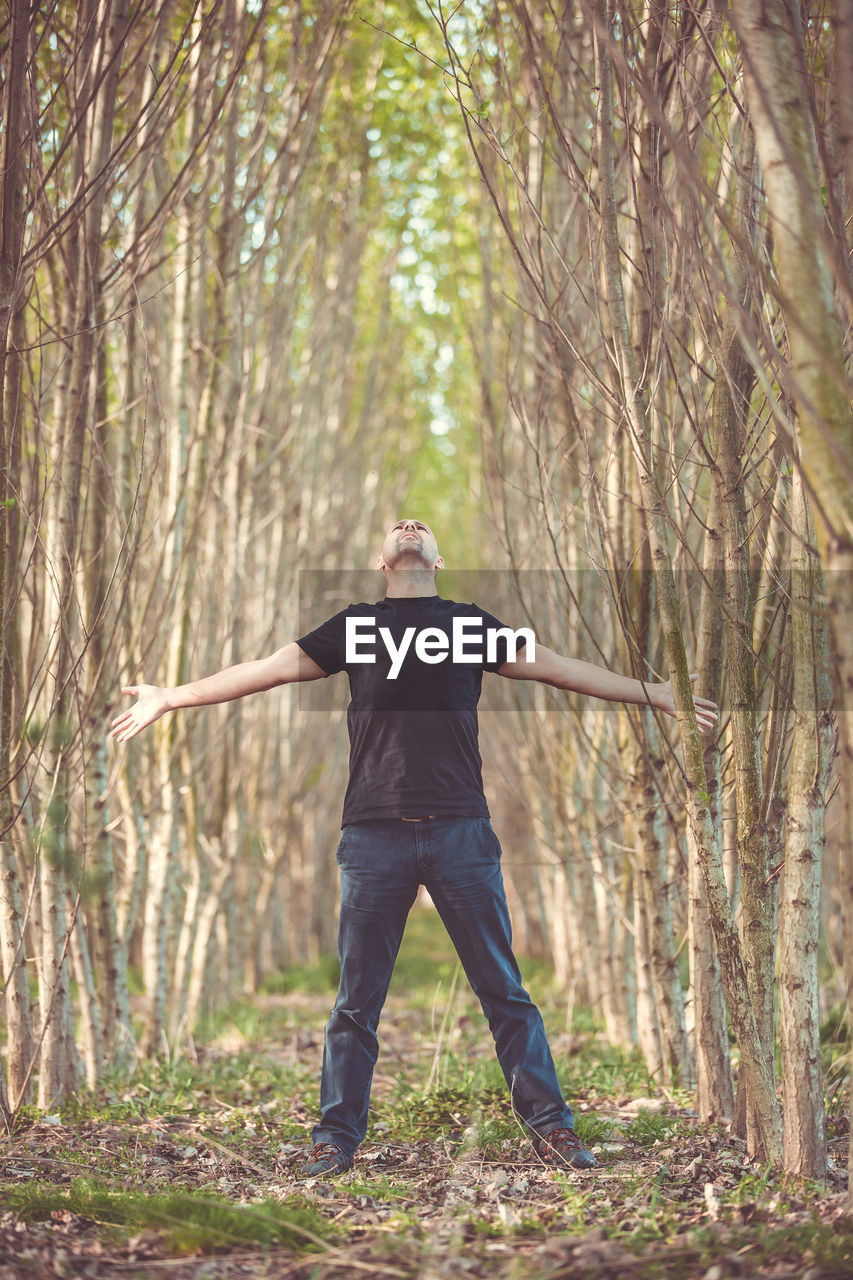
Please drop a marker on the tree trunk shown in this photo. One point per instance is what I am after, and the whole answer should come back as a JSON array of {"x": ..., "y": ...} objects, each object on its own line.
[
  {"x": 648, "y": 1029},
  {"x": 13, "y": 111},
  {"x": 714, "y": 1094},
  {"x": 211, "y": 905},
  {"x": 158, "y": 892},
  {"x": 771, "y": 39},
  {"x": 733, "y": 385},
  {"x": 605, "y": 928},
  {"x": 651, "y": 873},
  {"x": 803, "y": 1134},
  {"x": 87, "y": 1000},
  {"x": 58, "y": 1057}
]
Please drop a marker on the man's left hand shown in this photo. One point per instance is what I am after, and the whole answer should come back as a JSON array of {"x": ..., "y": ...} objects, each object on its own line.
[{"x": 706, "y": 711}]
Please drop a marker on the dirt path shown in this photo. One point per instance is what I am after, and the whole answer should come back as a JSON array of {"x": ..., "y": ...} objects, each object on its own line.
[{"x": 446, "y": 1186}]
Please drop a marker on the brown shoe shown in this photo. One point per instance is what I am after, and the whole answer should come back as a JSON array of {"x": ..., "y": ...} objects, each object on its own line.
[
  {"x": 327, "y": 1158},
  {"x": 563, "y": 1148}
]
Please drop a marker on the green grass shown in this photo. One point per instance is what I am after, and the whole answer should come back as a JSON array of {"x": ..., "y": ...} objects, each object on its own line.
[
  {"x": 188, "y": 1222},
  {"x": 182, "y": 1088},
  {"x": 317, "y": 979},
  {"x": 443, "y": 1112},
  {"x": 811, "y": 1246},
  {"x": 593, "y": 1129},
  {"x": 380, "y": 1188},
  {"x": 651, "y": 1127},
  {"x": 426, "y": 956},
  {"x": 598, "y": 1069}
]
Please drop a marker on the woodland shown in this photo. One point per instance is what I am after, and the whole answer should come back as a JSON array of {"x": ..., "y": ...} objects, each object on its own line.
[{"x": 571, "y": 280}]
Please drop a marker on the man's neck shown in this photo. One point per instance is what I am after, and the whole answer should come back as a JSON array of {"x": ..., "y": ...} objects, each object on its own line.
[{"x": 407, "y": 583}]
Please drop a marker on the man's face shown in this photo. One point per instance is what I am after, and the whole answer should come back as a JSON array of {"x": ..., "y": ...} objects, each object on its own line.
[{"x": 410, "y": 544}]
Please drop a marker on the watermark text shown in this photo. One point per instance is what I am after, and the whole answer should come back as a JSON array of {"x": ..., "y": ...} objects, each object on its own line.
[{"x": 432, "y": 644}]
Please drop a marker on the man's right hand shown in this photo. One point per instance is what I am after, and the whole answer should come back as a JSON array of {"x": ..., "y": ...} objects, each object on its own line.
[
  {"x": 152, "y": 704},
  {"x": 285, "y": 666}
]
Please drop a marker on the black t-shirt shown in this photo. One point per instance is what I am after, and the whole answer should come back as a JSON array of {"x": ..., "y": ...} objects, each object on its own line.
[{"x": 412, "y": 719}]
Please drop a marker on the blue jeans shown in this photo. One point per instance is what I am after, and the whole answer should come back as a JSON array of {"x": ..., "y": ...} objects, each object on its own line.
[{"x": 458, "y": 859}]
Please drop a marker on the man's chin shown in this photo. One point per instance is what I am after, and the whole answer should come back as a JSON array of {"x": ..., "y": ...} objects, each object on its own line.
[{"x": 411, "y": 560}]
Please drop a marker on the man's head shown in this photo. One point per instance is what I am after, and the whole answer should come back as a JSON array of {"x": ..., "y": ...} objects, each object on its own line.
[{"x": 410, "y": 545}]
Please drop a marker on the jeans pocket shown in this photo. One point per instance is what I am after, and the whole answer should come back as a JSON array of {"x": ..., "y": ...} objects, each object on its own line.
[{"x": 494, "y": 839}]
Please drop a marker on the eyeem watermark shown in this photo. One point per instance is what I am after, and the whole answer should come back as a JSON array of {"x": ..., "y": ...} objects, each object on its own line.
[{"x": 433, "y": 645}]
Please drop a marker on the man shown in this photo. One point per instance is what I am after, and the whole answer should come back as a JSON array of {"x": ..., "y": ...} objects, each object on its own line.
[{"x": 415, "y": 813}]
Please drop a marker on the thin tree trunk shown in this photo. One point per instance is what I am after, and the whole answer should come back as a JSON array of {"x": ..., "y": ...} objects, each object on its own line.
[
  {"x": 161, "y": 847},
  {"x": 733, "y": 385},
  {"x": 803, "y": 1133},
  {"x": 87, "y": 1000},
  {"x": 20, "y": 1044},
  {"x": 58, "y": 1057},
  {"x": 198, "y": 985},
  {"x": 126, "y": 908},
  {"x": 194, "y": 894},
  {"x": 13, "y": 958},
  {"x": 648, "y": 1030},
  {"x": 602, "y": 881},
  {"x": 108, "y": 954},
  {"x": 655, "y": 888},
  {"x": 98, "y": 69},
  {"x": 714, "y": 1093},
  {"x": 181, "y": 489},
  {"x": 13, "y": 110}
]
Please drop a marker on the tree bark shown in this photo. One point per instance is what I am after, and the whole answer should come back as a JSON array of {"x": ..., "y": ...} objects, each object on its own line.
[
  {"x": 87, "y": 1001},
  {"x": 648, "y": 1028},
  {"x": 733, "y": 385},
  {"x": 655, "y": 889},
  {"x": 770, "y": 39},
  {"x": 13, "y": 288},
  {"x": 803, "y": 1132},
  {"x": 714, "y": 1094}
]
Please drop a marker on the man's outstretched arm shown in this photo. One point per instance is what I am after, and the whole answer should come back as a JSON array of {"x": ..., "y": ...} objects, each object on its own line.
[
  {"x": 285, "y": 666},
  {"x": 585, "y": 677}
]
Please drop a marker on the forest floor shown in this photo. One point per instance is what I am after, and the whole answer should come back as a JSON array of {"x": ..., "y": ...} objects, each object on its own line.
[{"x": 190, "y": 1169}]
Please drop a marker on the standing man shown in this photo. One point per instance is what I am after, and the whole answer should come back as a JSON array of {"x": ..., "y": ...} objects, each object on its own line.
[{"x": 415, "y": 813}]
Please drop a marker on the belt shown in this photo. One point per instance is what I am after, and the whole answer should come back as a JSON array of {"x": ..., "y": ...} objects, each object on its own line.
[{"x": 427, "y": 818}]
